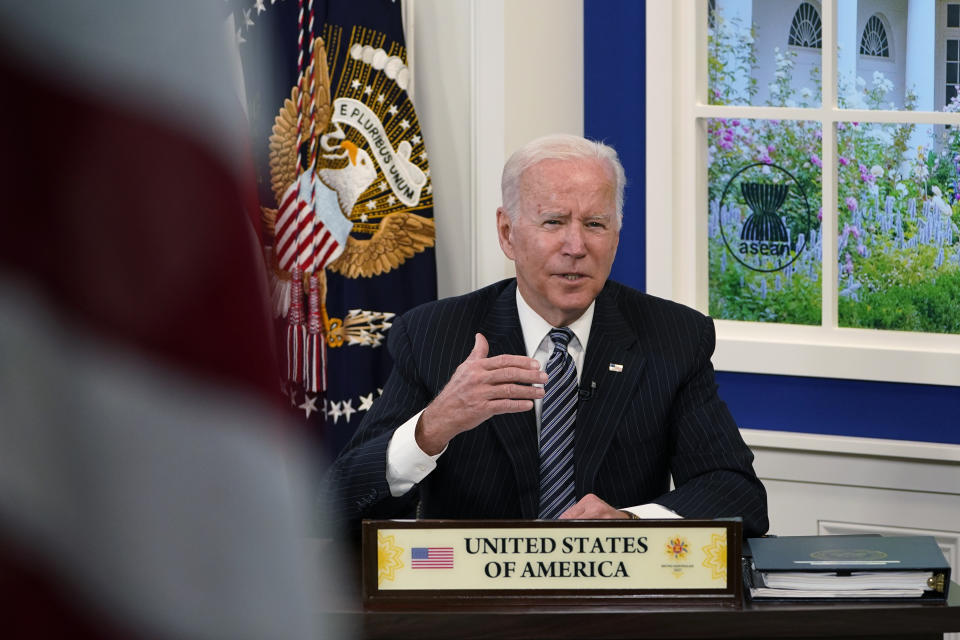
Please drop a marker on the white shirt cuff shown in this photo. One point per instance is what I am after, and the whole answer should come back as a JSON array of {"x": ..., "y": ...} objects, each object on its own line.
[
  {"x": 652, "y": 511},
  {"x": 407, "y": 464}
]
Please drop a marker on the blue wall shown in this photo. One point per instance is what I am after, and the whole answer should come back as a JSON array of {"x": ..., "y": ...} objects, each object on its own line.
[{"x": 614, "y": 86}]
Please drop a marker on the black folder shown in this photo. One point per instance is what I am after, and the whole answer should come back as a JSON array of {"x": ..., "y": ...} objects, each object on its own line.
[{"x": 844, "y": 560}]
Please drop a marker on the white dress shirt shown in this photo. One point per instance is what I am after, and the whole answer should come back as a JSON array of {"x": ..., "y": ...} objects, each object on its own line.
[{"x": 407, "y": 464}]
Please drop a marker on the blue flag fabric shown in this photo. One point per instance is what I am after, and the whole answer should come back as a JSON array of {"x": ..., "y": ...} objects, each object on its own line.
[{"x": 368, "y": 155}]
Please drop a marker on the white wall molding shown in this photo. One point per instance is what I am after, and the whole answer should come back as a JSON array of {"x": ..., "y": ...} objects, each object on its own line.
[{"x": 873, "y": 447}]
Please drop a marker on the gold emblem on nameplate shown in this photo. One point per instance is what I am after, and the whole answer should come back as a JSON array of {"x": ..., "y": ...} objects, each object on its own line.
[
  {"x": 388, "y": 558},
  {"x": 716, "y": 559}
]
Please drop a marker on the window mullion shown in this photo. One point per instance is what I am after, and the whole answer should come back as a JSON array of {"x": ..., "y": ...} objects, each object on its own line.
[{"x": 828, "y": 113}]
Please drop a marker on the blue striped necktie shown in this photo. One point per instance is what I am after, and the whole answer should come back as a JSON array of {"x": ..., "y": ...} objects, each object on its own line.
[{"x": 557, "y": 416}]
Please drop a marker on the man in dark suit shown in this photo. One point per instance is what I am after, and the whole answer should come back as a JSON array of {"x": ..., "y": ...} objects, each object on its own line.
[{"x": 470, "y": 424}]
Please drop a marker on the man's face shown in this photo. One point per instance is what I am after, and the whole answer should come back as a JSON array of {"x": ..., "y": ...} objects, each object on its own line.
[{"x": 564, "y": 237}]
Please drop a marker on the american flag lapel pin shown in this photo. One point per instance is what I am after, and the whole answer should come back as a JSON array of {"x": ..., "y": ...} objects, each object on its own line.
[{"x": 616, "y": 368}]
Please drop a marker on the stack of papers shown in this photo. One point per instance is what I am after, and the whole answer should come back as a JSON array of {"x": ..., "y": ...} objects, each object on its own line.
[
  {"x": 899, "y": 584},
  {"x": 850, "y": 567}
]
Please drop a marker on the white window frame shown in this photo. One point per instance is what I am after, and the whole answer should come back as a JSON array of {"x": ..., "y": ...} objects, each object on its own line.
[{"x": 676, "y": 206}]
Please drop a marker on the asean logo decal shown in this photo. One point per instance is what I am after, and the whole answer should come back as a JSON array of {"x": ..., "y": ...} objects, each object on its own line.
[
  {"x": 765, "y": 218},
  {"x": 678, "y": 548}
]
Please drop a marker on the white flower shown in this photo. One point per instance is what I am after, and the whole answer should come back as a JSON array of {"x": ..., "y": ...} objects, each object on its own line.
[
  {"x": 861, "y": 82},
  {"x": 805, "y": 92},
  {"x": 774, "y": 90},
  {"x": 901, "y": 188},
  {"x": 936, "y": 191},
  {"x": 876, "y": 170}
]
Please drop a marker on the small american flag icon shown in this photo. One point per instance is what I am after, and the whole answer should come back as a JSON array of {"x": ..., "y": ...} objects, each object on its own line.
[{"x": 431, "y": 558}]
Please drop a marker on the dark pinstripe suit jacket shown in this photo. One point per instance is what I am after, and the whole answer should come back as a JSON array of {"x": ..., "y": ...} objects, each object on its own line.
[{"x": 660, "y": 415}]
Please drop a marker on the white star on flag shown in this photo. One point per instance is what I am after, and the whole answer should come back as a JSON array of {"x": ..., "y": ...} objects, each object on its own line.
[
  {"x": 363, "y": 216},
  {"x": 246, "y": 17},
  {"x": 370, "y": 205},
  {"x": 335, "y": 411},
  {"x": 405, "y": 123},
  {"x": 416, "y": 139},
  {"x": 393, "y": 110},
  {"x": 258, "y": 5},
  {"x": 348, "y": 409},
  {"x": 365, "y": 402},
  {"x": 381, "y": 98},
  {"x": 309, "y": 404},
  {"x": 355, "y": 84},
  {"x": 367, "y": 90}
]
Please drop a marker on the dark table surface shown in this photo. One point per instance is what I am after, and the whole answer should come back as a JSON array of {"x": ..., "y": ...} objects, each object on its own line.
[{"x": 650, "y": 620}]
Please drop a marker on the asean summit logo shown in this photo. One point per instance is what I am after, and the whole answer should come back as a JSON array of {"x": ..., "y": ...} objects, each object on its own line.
[
  {"x": 677, "y": 548},
  {"x": 765, "y": 218}
]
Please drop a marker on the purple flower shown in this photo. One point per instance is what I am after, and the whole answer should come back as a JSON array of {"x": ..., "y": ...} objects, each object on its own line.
[
  {"x": 771, "y": 148},
  {"x": 735, "y": 123},
  {"x": 851, "y": 203},
  {"x": 848, "y": 264},
  {"x": 844, "y": 161},
  {"x": 765, "y": 159},
  {"x": 862, "y": 249},
  {"x": 820, "y": 214},
  {"x": 816, "y": 160}
]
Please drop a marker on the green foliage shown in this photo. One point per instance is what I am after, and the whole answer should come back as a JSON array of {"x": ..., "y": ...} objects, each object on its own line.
[
  {"x": 897, "y": 270},
  {"x": 797, "y": 302},
  {"x": 931, "y": 306}
]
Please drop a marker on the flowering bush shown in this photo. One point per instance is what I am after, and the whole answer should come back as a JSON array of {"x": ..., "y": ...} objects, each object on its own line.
[{"x": 898, "y": 202}]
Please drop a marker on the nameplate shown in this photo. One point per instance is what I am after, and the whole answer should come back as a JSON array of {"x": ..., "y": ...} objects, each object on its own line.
[{"x": 523, "y": 560}]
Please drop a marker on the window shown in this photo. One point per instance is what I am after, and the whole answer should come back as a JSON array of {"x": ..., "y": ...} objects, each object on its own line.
[
  {"x": 874, "y": 39},
  {"x": 815, "y": 214},
  {"x": 805, "y": 30},
  {"x": 953, "y": 58}
]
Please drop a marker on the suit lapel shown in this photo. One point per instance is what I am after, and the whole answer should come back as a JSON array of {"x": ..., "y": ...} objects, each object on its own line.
[
  {"x": 517, "y": 432},
  {"x": 613, "y": 361}
]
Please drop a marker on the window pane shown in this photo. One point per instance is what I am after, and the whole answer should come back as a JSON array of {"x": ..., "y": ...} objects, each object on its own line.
[
  {"x": 750, "y": 60},
  {"x": 953, "y": 15},
  {"x": 885, "y": 59},
  {"x": 898, "y": 249},
  {"x": 764, "y": 220},
  {"x": 952, "y": 72}
]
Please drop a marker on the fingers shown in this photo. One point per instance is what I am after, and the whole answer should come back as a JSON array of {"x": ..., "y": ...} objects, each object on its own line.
[
  {"x": 590, "y": 507},
  {"x": 480, "y": 348}
]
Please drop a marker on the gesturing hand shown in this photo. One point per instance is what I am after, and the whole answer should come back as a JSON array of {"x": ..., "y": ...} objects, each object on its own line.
[{"x": 480, "y": 388}]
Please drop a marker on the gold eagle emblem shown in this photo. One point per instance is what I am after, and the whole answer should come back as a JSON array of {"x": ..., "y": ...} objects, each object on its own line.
[{"x": 396, "y": 234}]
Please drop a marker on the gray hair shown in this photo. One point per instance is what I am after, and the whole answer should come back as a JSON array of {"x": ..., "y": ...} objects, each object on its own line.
[{"x": 558, "y": 146}]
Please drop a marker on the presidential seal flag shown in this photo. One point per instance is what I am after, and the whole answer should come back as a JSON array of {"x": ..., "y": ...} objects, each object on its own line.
[{"x": 346, "y": 194}]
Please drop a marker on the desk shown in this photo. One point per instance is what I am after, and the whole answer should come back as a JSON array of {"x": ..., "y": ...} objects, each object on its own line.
[{"x": 859, "y": 620}]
